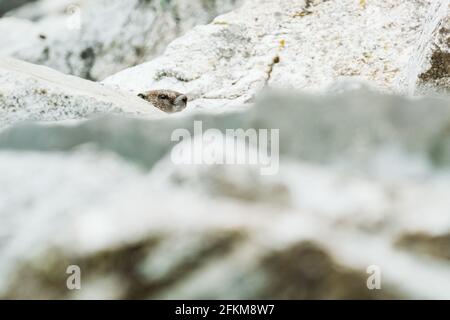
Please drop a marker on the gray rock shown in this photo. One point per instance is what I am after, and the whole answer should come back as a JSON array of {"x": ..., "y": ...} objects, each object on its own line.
[{"x": 8, "y": 5}]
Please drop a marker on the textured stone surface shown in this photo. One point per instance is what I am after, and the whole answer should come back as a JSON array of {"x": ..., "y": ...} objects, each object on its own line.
[
  {"x": 94, "y": 39},
  {"x": 437, "y": 68},
  {"x": 357, "y": 186},
  {"x": 305, "y": 45},
  {"x": 9, "y": 5},
  {"x": 31, "y": 92}
]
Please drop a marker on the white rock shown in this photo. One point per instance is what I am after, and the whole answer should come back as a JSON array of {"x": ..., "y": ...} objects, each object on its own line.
[
  {"x": 73, "y": 207},
  {"x": 32, "y": 92},
  {"x": 358, "y": 186},
  {"x": 289, "y": 44},
  {"x": 94, "y": 39}
]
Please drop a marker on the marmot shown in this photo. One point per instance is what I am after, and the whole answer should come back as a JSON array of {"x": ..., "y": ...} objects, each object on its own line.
[{"x": 166, "y": 100}]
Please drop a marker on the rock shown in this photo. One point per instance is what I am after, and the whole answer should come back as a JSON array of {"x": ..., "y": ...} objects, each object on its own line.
[
  {"x": 305, "y": 45},
  {"x": 390, "y": 130},
  {"x": 9, "y": 5},
  {"x": 43, "y": 9},
  {"x": 431, "y": 245},
  {"x": 359, "y": 187},
  {"x": 31, "y": 92},
  {"x": 94, "y": 39},
  {"x": 8, "y": 41},
  {"x": 437, "y": 75},
  {"x": 241, "y": 183}
]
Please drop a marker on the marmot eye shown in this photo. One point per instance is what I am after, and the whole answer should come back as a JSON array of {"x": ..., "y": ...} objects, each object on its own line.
[{"x": 162, "y": 96}]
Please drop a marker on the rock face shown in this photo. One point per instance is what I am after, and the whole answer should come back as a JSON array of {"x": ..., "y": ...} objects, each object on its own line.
[
  {"x": 437, "y": 71},
  {"x": 363, "y": 184},
  {"x": 94, "y": 39},
  {"x": 9, "y": 5},
  {"x": 305, "y": 45},
  {"x": 30, "y": 92},
  {"x": 42, "y": 9}
]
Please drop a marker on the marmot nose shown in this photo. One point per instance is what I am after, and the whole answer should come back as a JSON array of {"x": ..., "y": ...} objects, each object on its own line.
[{"x": 181, "y": 100}]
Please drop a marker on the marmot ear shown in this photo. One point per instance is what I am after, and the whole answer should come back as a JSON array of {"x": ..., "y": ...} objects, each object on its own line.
[{"x": 141, "y": 95}]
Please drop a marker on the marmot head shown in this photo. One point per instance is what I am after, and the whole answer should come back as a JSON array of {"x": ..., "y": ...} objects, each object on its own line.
[{"x": 166, "y": 100}]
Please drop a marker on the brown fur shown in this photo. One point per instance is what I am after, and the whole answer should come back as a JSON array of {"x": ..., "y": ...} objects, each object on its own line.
[{"x": 166, "y": 100}]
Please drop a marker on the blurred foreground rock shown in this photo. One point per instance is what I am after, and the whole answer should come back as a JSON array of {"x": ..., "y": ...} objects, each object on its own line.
[
  {"x": 8, "y": 5},
  {"x": 363, "y": 181}
]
